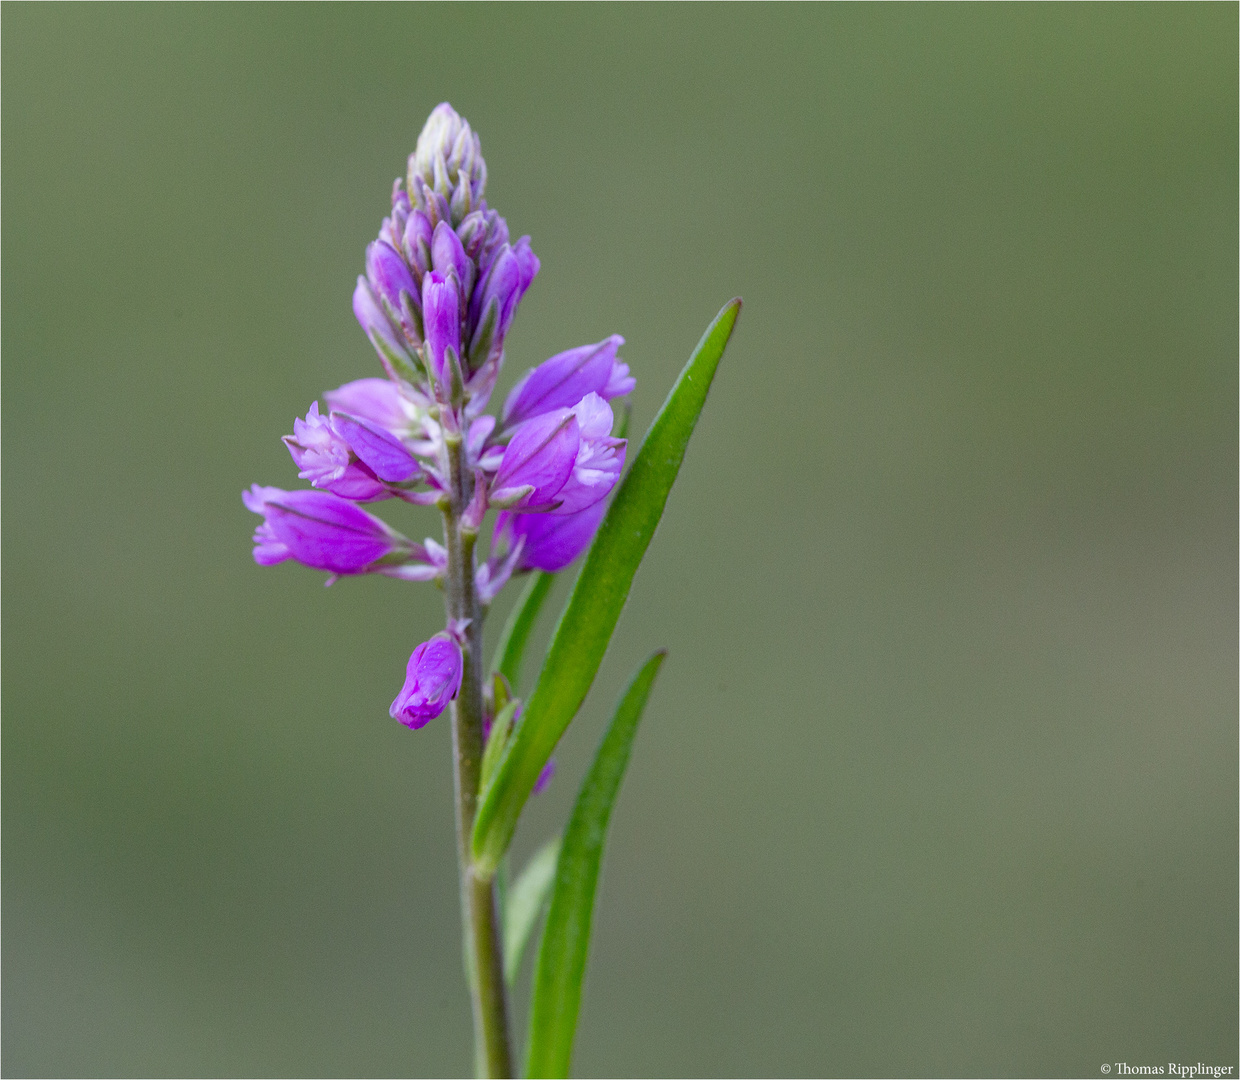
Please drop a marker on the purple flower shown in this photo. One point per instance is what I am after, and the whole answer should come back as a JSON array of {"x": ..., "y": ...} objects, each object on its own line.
[
  {"x": 441, "y": 314},
  {"x": 324, "y": 458},
  {"x": 323, "y": 531},
  {"x": 599, "y": 459},
  {"x": 562, "y": 381},
  {"x": 548, "y": 541},
  {"x": 432, "y": 679},
  {"x": 537, "y": 461}
]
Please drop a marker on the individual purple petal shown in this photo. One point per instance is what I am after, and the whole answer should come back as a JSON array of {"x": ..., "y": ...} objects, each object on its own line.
[
  {"x": 385, "y": 454},
  {"x": 383, "y": 336},
  {"x": 619, "y": 383},
  {"x": 387, "y": 273},
  {"x": 447, "y": 254},
  {"x": 320, "y": 454},
  {"x": 503, "y": 286},
  {"x": 416, "y": 243},
  {"x": 432, "y": 679},
  {"x": 322, "y": 530},
  {"x": 599, "y": 461},
  {"x": 551, "y": 541},
  {"x": 562, "y": 381},
  {"x": 479, "y": 430},
  {"x": 540, "y": 455},
  {"x": 441, "y": 314},
  {"x": 268, "y": 549},
  {"x": 528, "y": 264},
  {"x": 380, "y": 401}
]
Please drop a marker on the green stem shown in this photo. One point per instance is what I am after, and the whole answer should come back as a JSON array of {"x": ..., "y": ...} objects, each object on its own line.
[{"x": 483, "y": 938}]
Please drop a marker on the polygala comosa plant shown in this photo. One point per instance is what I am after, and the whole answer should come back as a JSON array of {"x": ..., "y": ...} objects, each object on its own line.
[{"x": 441, "y": 289}]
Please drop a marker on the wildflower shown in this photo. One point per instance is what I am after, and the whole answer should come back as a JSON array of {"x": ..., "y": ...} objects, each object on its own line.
[
  {"x": 432, "y": 679},
  {"x": 326, "y": 532}
]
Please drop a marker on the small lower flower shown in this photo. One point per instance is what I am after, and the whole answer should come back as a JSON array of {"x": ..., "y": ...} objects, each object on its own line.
[{"x": 432, "y": 679}]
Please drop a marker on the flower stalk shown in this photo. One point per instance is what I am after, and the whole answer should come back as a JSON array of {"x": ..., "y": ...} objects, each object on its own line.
[{"x": 479, "y": 913}]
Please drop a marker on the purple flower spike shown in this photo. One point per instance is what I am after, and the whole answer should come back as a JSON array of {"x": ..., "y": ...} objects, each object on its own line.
[
  {"x": 441, "y": 313},
  {"x": 320, "y": 530},
  {"x": 432, "y": 679},
  {"x": 537, "y": 462},
  {"x": 599, "y": 458},
  {"x": 562, "y": 381},
  {"x": 551, "y": 541}
]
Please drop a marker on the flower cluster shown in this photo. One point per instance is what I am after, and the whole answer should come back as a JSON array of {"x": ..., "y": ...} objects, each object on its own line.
[{"x": 441, "y": 288}]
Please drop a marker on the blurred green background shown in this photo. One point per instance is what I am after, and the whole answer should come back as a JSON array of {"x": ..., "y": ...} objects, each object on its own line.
[{"x": 940, "y": 778}]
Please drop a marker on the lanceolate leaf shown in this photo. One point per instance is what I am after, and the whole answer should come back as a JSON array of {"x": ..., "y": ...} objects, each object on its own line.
[
  {"x": 566, "y": 937},
  {"x": 510, "y": 649},
  {"x": 598, "y": 597},
  {"x": 524, "y": 903}
]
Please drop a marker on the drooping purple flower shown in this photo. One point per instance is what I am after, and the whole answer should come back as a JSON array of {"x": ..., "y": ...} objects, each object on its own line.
[
  {"x": 537, "y": 462},
  {"x": 323, "y": 456},
  {"x": 323, "y": 531},
  {"x": 600, "y": 458},
  {"x": 441, "y": 314},
  {"x": 432, "y": 679},
  {"x": 548, "y": 541},
  {"x": 562, "y": 381}
]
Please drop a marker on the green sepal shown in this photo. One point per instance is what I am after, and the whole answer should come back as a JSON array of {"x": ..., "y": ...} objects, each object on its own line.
[
  {"x": 484, "y": 336},
  {"x": 496, "y": 742}
]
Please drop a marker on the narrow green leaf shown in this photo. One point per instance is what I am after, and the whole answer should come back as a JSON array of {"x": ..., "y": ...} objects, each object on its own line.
[
  {"x": 495, "y": 742},
  {"x": 566, "y": 937},
  {"x": 602, "y": 586},
  {"x": 524, "y": 902},
  {"x": 510, "y": 649}
]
